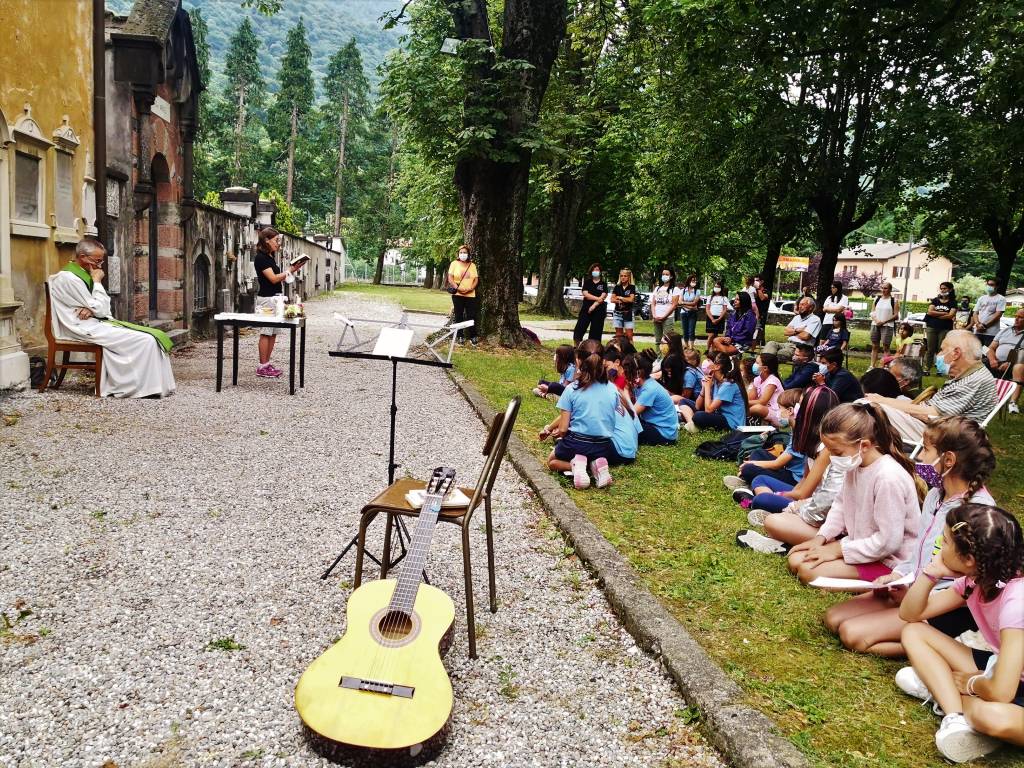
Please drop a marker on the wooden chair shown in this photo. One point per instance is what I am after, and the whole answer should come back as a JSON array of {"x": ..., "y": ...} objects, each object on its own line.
[
  {"x": 391, "y": 502},
  {"x": 66, "y": 346},
  {"x": 926, "y": 394}
]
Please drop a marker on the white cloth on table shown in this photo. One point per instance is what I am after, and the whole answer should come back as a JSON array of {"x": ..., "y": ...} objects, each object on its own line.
[{"x": 134, "y": 363}]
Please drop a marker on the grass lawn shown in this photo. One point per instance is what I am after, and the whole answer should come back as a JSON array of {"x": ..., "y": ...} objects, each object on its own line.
[
  {"x": 419, "y": 299},
  {"x": 671, "y": 517}
]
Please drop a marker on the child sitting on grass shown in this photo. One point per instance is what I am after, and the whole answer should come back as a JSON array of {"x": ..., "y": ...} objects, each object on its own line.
[
  {"x": 693, "y": 378},
  {"x": 958, "y": 458},
  {"x": 564, "y": 355},
  {"x": 877, "y": 509},
  {"x": 904, "y": 341},
  {"x": 765, "y": 389},
  {"x": 979, "y": 693},
  {"x": 653, "y": 404},
  {"x": 722, "y": 403},
  {"x": 673, "y": 365},
  {"x": 585, "y": 423}
]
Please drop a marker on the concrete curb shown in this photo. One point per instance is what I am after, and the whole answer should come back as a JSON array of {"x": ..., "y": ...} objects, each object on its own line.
[{"x": 747, "y": 737}]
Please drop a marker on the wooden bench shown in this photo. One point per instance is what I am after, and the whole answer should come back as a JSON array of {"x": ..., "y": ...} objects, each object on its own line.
[{"x": 66, "y": 346}]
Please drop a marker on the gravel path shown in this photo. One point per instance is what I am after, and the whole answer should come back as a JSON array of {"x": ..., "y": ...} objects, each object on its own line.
[{"x": 164, "y": 558}]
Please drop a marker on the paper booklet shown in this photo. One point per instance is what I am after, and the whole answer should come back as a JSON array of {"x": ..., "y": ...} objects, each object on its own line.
[
  {"x": 454, "y": 499},
  {"x": 299, "y": 260},
  {"x": 858, "y": 585}
]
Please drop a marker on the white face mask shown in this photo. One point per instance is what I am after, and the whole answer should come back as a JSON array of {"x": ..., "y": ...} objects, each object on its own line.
[
  {"x": 666, "y": 278},
  {"x": 463, "y": 256},
  {"x": 846, "y": 463},
  {"x": 716, "y": 289}
]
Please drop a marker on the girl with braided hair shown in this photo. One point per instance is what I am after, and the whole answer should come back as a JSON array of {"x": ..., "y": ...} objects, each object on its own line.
[
  {"x": 956, "y": 461},
  {"x": 980, "y": 694},
  {"x": 878, "y": 507}
]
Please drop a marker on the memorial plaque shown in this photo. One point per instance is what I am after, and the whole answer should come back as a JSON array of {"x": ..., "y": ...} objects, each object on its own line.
[
  {"x": 162, "y": 109},
  {"x": 65, "y": 201},
  {"x": 26, "y": 187}
]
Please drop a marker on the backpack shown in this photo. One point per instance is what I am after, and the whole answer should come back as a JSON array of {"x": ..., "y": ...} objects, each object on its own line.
[
  {"x": 764, "y": 441},
  {"x": 725, "y": 449}
]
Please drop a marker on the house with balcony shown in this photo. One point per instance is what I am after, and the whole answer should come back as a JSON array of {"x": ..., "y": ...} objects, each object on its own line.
[{"x": 913, "y": 271}]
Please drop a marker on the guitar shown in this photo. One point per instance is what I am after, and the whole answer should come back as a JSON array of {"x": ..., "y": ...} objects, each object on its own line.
[{"x": 381, "y": 692}]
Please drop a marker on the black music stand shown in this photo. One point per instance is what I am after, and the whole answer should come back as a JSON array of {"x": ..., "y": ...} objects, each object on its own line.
[{"x": 403, "y": 533}]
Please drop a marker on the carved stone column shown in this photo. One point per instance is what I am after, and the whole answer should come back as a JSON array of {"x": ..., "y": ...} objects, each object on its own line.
[{"x": 14, "y": 369}]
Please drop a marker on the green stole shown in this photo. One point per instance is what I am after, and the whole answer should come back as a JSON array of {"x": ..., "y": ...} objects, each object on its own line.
[{"x": 161, "y": 338}]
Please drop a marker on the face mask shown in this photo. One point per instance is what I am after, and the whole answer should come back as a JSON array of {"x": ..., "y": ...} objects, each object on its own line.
[
  {"x": 931, "y": 476},
  {"x": 595, "y": 274},
  {"x": 846, "y": 463},
  {"x": 755, "y": 369},
  {"x": 941, "y": 365},
  {"x": 717, "y": 289},
  {"x": 757, "y": 283},
  {"x": 463, "y": 257},
  {"x": 990, "y": 289},
  {"x": 693, "y": 285},
  {"x": 836, "y": 327},
  {"x": 613, "y": 373},
  {"x": 783, "y": 422},
  {"x": 943, "y": 294},
  {"x": 823, "y": 369},
  {"x": 666, "y": 278}
]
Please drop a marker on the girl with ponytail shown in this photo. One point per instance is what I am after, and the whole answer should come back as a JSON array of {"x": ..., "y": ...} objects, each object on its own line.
[
  {"x": 722, "y": 403},
  {"x": 956, "y": 460},
  {"x": 586, "y": 421},
  {"x": 878, "y": 507},
  {"x": 980, "y": 694}
]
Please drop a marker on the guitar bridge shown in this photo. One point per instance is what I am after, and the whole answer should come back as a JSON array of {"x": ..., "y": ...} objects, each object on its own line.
[{"x": 376, "y": 686}]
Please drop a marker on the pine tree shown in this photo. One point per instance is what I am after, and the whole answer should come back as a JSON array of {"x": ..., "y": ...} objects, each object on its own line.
[
  {"x": 295, "y": 99},
  {"x": 246, "y": 89},
  {"x": 202, "y": 148},
  {"x": 347, "y": 92}
]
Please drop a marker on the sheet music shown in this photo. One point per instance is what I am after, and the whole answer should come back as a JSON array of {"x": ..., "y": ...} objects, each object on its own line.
[{"x": 393, "y": 342}]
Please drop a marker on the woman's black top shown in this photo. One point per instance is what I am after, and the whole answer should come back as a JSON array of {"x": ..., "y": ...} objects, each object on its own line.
[
  {"x": 261, "y": 262},
  {"x": 941, "y": 305},
  {"x": 594, "y": 288},
  {"x": 625, "y": 311}
]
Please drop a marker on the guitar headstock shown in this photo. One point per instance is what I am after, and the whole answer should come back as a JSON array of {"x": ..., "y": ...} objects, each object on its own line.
[{"x": 441, "y": 482}]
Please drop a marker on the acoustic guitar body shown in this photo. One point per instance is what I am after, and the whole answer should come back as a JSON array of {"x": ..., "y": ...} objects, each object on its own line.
[{"x": 381, "y": 693}]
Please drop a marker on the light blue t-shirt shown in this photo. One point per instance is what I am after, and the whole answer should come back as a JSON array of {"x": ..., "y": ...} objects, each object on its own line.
[
  {"x": 591, "y": 410},
  {"x": 660, "y": 410},
  {"x": 797, "y": 465},
  {"x": 732, "y": 403},
  {"x": 625, "y": 438},
  {"x": 567, "y": 377},
  {"x": 693, "y": 379}
]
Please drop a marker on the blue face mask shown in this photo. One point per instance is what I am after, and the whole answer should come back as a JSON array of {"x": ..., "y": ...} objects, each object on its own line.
[
  {"x": 666, "y": 278},
  {"x": 990, "y": 289},
  {"x": 783, "y": 422},
  {"x": 755, "y": 369},
  {"x": 941, "y": 365},
  {"x": 823, "y": 369},
  {"x": 595, "y": 274}
]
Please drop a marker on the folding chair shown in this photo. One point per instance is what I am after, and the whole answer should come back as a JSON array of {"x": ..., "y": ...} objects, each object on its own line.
[
  {"x": 392, "y": 502},
  {"x": 66, "y": 347},
  {"x": 1005, "y": 390}
]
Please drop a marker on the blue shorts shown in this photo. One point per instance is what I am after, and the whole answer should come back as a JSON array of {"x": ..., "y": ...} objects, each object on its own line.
[
  {"x": 592, "y": 447},
  {"x": 981, "y": 661},
  {"x": 619, "y": 322}
]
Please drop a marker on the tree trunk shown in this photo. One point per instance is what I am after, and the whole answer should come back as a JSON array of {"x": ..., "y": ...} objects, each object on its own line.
[
  {"x": 440, "y": 270},
  {"x": 340, "y": 180},
  {"x": 565, "y": 211},
  {"x": 771, "y": 265},
  {"x": 1007, "y": 240},
  {"x": 492, "y": 199},
  {"x": 239, "y": 130},
  {"x": 291, "y": 154},
  {"x": 831, "y": 244},
  {"x": 428, "y": 280},
  {"x": 378, "y": 273}
]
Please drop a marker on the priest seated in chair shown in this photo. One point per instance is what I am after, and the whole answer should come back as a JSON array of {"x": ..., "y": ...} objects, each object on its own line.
[{"x": 136, "y": 362}]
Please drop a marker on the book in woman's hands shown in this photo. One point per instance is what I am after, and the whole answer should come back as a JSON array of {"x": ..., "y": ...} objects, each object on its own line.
[{"x": 299, "y": 261}]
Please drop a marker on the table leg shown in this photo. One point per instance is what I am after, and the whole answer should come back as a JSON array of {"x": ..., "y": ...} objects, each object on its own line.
[
  {"x": 220, "y": 354},
  {"x": 234, "y": 359},
  {"x": 302, "y": 357},
  {"x": 291, "y": 362}
]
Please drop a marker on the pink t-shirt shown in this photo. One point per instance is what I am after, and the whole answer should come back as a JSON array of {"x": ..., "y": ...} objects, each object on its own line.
[
  {"x": 1005, "y": 612},
  {"x": 760, "y": 384}
]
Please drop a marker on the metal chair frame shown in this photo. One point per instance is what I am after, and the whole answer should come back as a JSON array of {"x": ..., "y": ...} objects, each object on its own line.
[{"x": 494, "y": 449}]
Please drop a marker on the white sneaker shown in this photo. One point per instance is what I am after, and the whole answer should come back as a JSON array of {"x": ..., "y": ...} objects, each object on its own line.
[
  {"x": 960, "y": 743},
  {"x": 756, "y": 517},
  {"x": 908, "y": 681},
  {"x": 1013, "y": 408},
  {"x": 763, "y": 544},
  {"x": 539, "y": 393},
  {"x": 580, "y": 478},
  {"x": 602, "y": 475},
  {"x": 690, "y": 427},
  {"x": 732, "y": 482}
]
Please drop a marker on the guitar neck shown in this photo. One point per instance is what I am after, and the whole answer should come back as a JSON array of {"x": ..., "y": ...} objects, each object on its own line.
[{"x": 404, "y": 597}]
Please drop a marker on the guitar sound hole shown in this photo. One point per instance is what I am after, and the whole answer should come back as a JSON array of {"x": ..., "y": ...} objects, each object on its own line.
[{"x": 395, "y": 625}]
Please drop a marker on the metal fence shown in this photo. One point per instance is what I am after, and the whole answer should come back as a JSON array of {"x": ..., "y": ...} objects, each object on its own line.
[{"x": 393, "y": 274}]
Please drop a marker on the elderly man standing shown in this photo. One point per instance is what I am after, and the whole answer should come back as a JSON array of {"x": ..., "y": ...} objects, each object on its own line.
[
  {"x": 135, "y": 358},
  {"x": 970, "y": 391},
  {"x": 1005, "y": 351},
  {"x": 804, "y": 328}
]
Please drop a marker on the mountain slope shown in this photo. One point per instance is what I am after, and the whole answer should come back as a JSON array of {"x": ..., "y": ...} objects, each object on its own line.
[{"x": 329, "y": 25}]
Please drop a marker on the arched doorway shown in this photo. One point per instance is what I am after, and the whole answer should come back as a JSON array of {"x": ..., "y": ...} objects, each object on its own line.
[{"x": 160, "y": 176}]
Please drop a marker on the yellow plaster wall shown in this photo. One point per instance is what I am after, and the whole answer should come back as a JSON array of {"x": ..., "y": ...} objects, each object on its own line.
[{"x": 46, "y": 60}]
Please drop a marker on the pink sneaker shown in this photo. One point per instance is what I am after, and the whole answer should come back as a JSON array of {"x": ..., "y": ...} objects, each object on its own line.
[
  {"x": 602, "y": 475},
  {"x": 580, "y": 478},
  {"x": 273, "y": 370},
  {"x": 267, "y": 371}
]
